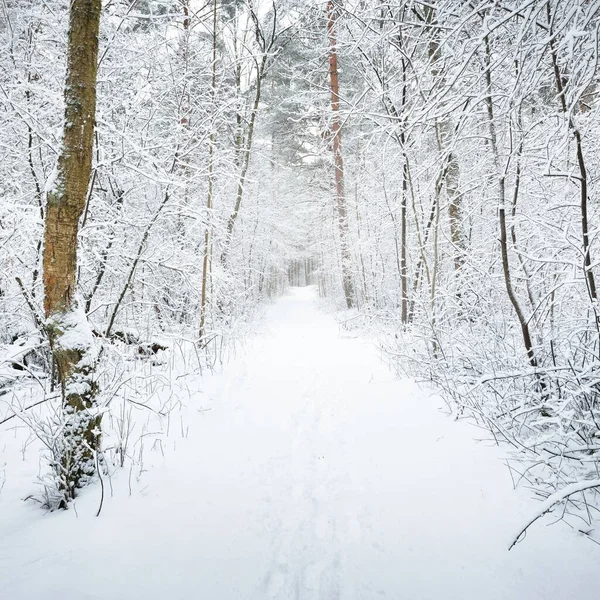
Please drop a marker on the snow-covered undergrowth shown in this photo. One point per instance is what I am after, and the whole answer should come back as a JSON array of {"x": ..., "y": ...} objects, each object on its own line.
[
  {"x": 304, "y": 469},
  {"x": 145, "y": 392},
  {"x": 548, "y": 419}
]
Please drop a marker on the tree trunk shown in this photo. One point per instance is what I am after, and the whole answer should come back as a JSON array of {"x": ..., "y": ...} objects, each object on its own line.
[
  {"x": 245, "y": 153},
  {"x": 342, "y": 212},
  {"x": 403, "y": 206},
  {"x": 68, "y": 331},
  {"x": 583, "y": 174},
  {"x": 444, "y": 128},
  {"x": 206, "y": 257},
  {"x": 523, "y": 322}
]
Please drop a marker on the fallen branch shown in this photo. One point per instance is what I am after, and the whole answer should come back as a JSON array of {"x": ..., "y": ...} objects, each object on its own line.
[{"x": 553, "y": 499}]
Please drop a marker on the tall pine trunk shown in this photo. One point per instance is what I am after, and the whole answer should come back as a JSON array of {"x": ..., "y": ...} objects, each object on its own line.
[
  {"x": 336, "y": 132},
  {"x": 68, "y": 331}
]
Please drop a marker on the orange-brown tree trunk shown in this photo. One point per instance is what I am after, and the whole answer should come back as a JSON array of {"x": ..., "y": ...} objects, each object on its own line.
[
  {"x": 338, "y": 159},
  {"x": 66, "y": 325}
]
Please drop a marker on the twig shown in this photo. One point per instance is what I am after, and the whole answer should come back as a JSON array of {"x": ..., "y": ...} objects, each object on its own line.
[
  {"x": 36, "y": 317},
  {"x": 27, "y": 408},
  {"x": 162, "y": 414},
  {"x": 555, "y": 498},
  {"x": 101, "y": 485}
]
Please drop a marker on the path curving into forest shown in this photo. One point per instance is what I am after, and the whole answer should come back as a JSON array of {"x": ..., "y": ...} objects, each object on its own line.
[{"x": 315, "y": 475}]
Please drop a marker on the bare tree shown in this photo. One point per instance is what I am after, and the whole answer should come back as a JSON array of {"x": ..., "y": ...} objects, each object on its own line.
[
  {"x": 265, "y": 38},
  {"x": 502, "y": 208},
  {"x": 207, "y": 249}
]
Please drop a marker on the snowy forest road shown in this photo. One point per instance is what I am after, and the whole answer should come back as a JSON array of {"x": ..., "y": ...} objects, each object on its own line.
[{"x": 316, "y": 475}]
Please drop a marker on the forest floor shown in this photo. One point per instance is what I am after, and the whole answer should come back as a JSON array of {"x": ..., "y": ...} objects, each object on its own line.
[{"x": 304, "y": 470}]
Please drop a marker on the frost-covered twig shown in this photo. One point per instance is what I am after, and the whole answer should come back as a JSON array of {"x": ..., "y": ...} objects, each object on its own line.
[
  {"x": 37, "y": 318},
  {"x": 553, "y": 499},
  {"x": 17, "y": 414}
]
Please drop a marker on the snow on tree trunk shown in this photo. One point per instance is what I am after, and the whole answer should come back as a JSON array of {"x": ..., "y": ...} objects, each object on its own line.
[
  {"x": 66, "y": 324},
  {"x": 444, "y": 133}
]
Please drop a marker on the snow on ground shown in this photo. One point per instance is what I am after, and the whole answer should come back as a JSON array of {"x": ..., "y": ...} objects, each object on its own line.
[{"x": 315, "y": 475}]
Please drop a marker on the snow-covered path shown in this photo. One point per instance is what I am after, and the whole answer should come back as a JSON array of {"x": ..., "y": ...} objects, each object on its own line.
[{"x": 315, "y": 476}]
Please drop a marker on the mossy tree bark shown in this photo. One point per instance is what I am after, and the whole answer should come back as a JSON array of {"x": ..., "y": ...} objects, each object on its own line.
[{"x": 69, "y": 334}]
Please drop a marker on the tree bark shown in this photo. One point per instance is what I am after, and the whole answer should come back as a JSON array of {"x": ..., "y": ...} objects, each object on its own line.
[
  {"x": 523, "y": 322},
  {"x": 583, "y": 174},
  {"x": 444, "y": 128},
  {"x": 245, "y": 160},
  {"x": 206, "y": 255},
  {"x": 69, "y": 334},
  {"x": 342, "y": 212}
]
